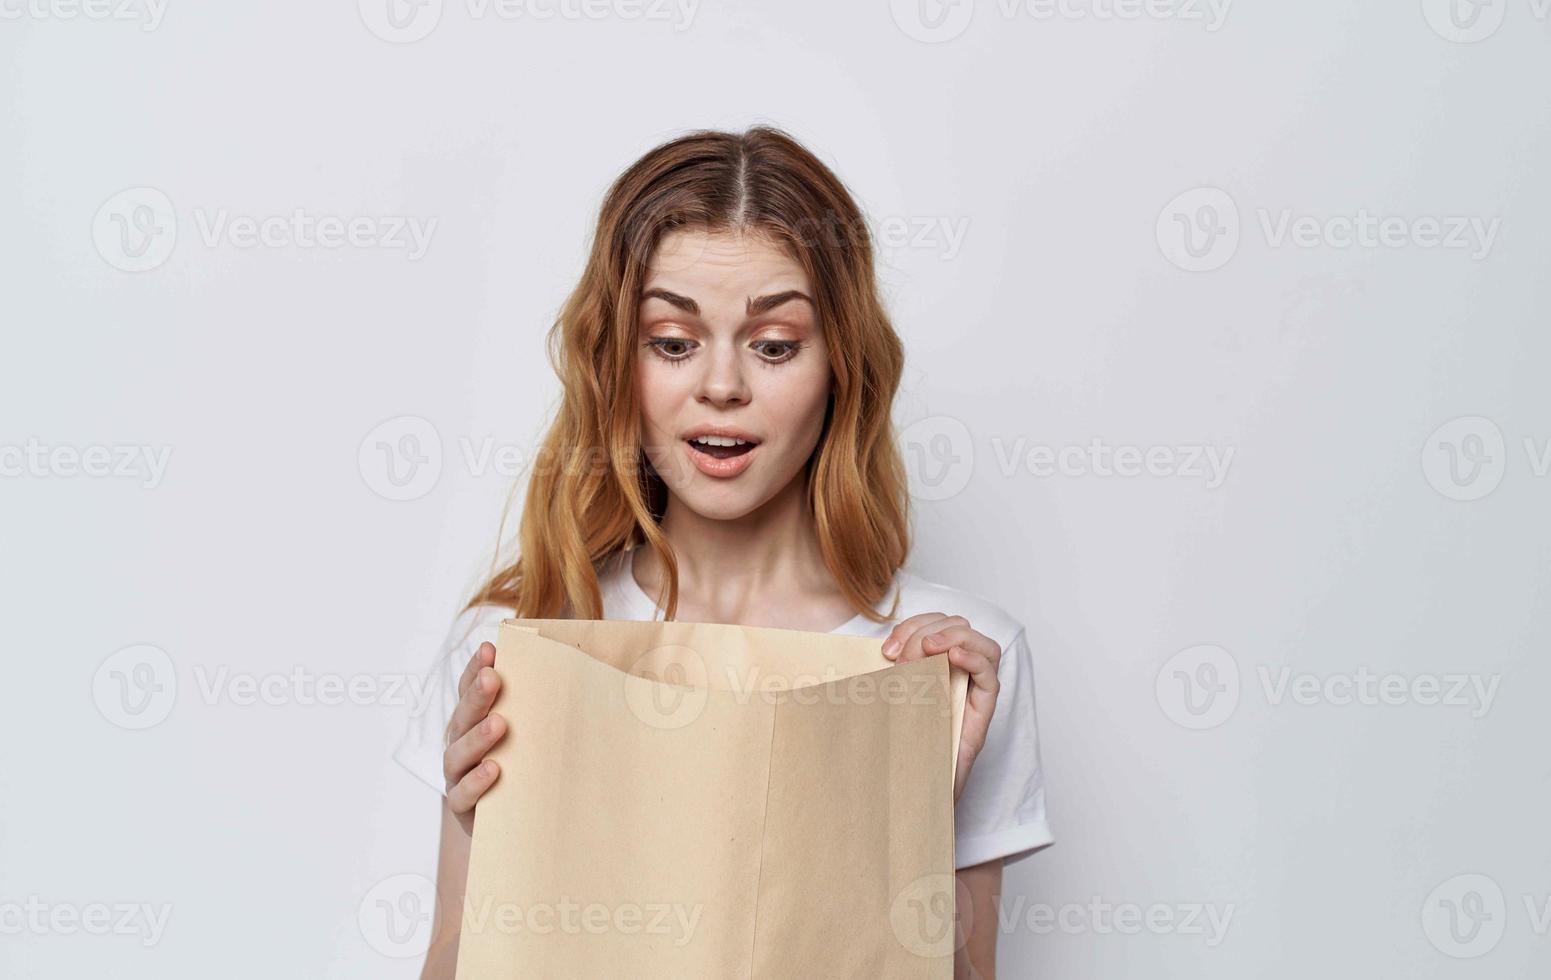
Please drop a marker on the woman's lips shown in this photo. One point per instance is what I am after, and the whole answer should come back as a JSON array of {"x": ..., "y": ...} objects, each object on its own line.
[{"x": 722, "y": 462}]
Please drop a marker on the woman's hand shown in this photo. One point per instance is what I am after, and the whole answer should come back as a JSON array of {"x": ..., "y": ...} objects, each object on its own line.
[
  {"x": 933, "y": 633},
  {"x": 471, "y": 733}
]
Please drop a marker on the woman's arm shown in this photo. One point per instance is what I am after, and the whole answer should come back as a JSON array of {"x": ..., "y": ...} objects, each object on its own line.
[
  {"x": 452, "y": 871},
  {"x": 982, "y": 886}
]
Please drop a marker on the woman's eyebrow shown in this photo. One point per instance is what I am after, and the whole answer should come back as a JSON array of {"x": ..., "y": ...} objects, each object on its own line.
[
  {"x": 755, "y": 306},
  {"x": 764, "y": 304},
  {"x": 682, "y": 302}
]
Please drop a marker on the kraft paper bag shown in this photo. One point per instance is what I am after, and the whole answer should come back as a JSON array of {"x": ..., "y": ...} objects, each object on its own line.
[{"x": 693, "y": 800}]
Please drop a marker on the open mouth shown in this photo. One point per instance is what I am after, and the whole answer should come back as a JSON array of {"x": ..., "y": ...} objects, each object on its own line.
[{"x": 718, "y": 451}]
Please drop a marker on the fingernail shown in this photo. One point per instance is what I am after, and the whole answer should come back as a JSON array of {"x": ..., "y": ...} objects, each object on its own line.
[
  {"x": 484, "y": 727},
  {"x": 891, "y": 648}
]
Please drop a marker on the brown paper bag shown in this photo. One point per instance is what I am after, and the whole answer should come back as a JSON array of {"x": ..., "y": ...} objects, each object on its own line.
[{"x": 691, "y": 800}]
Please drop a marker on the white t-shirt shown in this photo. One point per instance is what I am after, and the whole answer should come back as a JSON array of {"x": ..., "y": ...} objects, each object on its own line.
[{"x": 1001, "y": 813}]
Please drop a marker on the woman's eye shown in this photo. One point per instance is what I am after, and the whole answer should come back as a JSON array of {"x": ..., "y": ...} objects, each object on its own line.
[
  {"x": 672, "y": 349},
  {"x": 776, "y": 351}
]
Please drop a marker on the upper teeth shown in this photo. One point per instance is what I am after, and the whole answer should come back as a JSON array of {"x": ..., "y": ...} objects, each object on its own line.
[{"x": 720, "y": 441}]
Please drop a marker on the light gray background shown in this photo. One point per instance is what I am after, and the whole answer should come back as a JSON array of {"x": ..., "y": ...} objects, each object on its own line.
[{"x": 1357, "y": 527}]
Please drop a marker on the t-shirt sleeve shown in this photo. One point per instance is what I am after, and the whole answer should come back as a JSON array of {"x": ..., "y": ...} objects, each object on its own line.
[
  {"x": 420, "y": 749},
  {"x": 1001, "y": 813}
]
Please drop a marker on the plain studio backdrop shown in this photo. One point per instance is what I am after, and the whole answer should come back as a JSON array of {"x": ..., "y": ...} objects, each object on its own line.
[{"x": 1227, "y": 355}]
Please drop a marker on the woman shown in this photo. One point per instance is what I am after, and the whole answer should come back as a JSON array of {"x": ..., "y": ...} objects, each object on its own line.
[{"x": 723, "y": 453}]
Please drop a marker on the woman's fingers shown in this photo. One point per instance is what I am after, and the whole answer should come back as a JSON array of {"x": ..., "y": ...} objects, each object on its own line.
[
  {"x": 916, "y": 646},
  {"x": 898, "y": 642},
  {"x": 974, "y": 652},
  {"x": 475, "y": 703},
  {"x": 948, "y": 635},
  {"x": 483, "y": 657},
  {"x": 472, "y": 732},
  {"x": 462, "y": 797},
  {"x": 468, "y": 751},
  {"x": 984, "y": 685}
]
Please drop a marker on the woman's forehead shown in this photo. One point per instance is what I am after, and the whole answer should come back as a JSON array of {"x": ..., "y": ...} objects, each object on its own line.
[{"x": 721, "y": 267}]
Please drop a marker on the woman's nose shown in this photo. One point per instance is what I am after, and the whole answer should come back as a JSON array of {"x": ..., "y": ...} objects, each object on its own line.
[{"x": 723, "y": 382}]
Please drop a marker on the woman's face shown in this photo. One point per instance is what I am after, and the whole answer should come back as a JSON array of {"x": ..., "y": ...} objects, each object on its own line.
[{"x": 728, "y": 342}]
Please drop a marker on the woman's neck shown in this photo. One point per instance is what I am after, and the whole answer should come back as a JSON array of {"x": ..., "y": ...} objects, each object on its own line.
[{"x": 761, "y": 569}]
